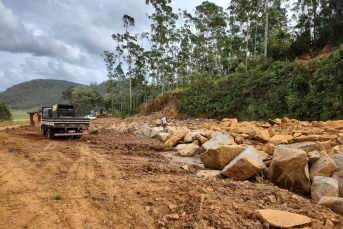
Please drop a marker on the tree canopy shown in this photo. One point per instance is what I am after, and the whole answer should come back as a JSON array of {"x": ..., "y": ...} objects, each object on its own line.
[{"x": 5, "y": 113}]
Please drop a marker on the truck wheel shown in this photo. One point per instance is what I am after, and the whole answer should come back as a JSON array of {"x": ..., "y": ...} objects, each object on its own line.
[
  {"x": 43, "y": 130},
  {"x": 50, "y": 134}
]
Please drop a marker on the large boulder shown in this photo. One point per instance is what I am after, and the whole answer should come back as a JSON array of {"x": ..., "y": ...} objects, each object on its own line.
[
  {"x": 163, "y": 136},
  {"x": 307, "y": 146},
  {"x": 190, "y": 150},
  {"x": 146, "y": 131},
  {"x": 262, "y": 136},
  {"x": 245, "y": 165},
  {"x": 220, "y": 137},
  {"x": 171, "y": 129},
  {"x": 308, "y": 138},
  {"x": 280, "y": 139},
  {"x": 289, "y": 169},
  {"x": 282, "y": 219},
  {"x": 269, "y": 148},
  {"x": 324, "y": 186},
  {"x": 133, "y": 126},
  {"x": 175, "y": 138},
  {"x": 155, "y": 132},
  {"x": 121, "y": 129},
  {"x": 334, "y": 203},
  {"x": 338, "y": 159},
  {"x": 209, "y": 144},
  {"x": 324, "y": 166},
  {"x": 201, "y": 138},
  {"x": 209, "y": 125},
  {"x": 190, "y": 136},
  {"x": 181, "y": 146},
  {"x": 339, "y": 177},
  {"x": 219, "y": 156}
]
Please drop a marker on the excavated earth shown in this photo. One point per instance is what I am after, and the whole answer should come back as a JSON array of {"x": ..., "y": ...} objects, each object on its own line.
[{"x": 121, "y": 180}]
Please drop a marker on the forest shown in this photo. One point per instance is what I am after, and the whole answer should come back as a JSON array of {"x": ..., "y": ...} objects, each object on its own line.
[{"x": 254, "y": 59}]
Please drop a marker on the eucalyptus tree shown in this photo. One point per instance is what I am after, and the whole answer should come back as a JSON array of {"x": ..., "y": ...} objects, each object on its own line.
[
  {"x": 110, "y": 60},
  {"x": 243, "y": 12},
  {"x": 119, "y": 39},
  {"x": 161, "y": 17},
  {"x": 128, "y": 21}
]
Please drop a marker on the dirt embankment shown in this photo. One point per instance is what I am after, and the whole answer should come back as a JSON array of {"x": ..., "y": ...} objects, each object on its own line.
[
  {"x": 162, "y": 106},
  {"x": 119, "y": 180}
]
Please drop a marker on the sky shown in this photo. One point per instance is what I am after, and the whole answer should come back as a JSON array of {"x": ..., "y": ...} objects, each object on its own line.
[{"x": 64, "y": 39}]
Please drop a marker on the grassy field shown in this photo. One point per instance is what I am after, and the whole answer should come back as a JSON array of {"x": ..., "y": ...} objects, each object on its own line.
[
  {"x": 19, "y": 117},
  {"x": 20, "y": 114}
]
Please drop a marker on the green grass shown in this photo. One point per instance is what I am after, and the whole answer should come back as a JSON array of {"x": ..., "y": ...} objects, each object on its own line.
[
  {"x": 18, "y": 117},
  {"x": 20, "y": 114},
  {"x": 27, "y": 126},
  {"x": 15, "y": 122}
]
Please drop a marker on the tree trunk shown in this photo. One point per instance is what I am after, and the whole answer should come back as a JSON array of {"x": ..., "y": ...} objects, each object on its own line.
[
  {"x": 246, "y": 47},
  {"x": 130, "y": 87},
  {"x": 266, "y": 33}
]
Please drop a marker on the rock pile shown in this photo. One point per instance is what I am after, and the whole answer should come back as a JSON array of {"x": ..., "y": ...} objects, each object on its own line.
[{"x": 300, "y": 156}]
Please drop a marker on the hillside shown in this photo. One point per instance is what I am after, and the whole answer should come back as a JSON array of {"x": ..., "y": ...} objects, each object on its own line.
[{"x": 36, "y": 93}]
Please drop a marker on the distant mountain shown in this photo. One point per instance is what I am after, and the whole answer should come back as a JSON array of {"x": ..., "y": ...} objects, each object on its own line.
[{"x": 36, "y": 93}]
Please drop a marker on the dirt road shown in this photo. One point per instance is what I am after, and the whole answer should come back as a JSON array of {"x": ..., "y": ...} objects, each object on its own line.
[
  {"x": 9, "y": 127},
  {"x": 112, "y": 180}
]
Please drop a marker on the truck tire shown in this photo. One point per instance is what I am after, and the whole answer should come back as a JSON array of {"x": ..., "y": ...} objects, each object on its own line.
[
  {"x": 50, "y": 134},
  {"x": 43, "y": 130}
]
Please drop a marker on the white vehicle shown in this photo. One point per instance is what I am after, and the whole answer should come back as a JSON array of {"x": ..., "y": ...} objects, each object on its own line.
[{"x": 91, "y": 117}]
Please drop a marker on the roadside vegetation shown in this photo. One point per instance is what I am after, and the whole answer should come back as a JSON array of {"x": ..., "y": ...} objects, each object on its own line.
[
  {"x": 310, "y": 91},
  {"x": 247, "y": 61},
  {"x": 5, "y": 113}
]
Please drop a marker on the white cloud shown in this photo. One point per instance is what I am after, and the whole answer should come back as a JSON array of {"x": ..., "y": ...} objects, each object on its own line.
[{"x": 55, "y": 39}]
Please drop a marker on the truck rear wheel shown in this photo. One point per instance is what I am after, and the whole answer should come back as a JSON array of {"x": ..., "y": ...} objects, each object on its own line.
[
  {"x": 50, "y": 134},
  {"x": 43, "y": 130}
]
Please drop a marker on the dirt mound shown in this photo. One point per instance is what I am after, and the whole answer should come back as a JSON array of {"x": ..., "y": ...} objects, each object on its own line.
[{"x": 160, "y": 103}]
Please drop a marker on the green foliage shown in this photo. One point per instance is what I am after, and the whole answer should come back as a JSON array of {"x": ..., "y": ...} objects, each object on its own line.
[
  {"x": 5, "y": 113},
  {"x": 241, "y": 68},
  {"x": 309, "y": 92},
  {"x": 84, "y": 99}
]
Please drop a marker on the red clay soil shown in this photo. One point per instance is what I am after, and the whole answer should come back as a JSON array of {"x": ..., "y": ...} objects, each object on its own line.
[
  {"x": 162, "y": 103},
  {"x": 115, "y": 180}
]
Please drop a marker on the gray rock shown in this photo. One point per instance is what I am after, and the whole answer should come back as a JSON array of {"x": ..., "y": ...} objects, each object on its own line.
[
  {"x": 324, "y": 186},
  {"x": 307, "y": 146},
  {"x": 190, "y": 150},
  {"x": 155, "y": 131},
  {"x": 208, "y": 145},
  {"x": 190, "y": 136},
  {"x": 338, "y": 159},
  {"x": 146, "y": 131}
]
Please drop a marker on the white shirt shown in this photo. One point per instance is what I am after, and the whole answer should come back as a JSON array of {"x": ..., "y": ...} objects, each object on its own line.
[{"x": 164, "y": 120}]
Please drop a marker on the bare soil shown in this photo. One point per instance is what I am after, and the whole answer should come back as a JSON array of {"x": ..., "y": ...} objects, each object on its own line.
[{"x": 114, "y": 180}]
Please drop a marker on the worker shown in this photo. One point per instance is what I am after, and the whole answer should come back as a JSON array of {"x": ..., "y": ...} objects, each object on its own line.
[{"x": 164, "y": 123}]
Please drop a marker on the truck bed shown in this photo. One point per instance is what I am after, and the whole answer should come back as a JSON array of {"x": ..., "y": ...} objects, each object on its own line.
[{"x": 59, "y": 121}]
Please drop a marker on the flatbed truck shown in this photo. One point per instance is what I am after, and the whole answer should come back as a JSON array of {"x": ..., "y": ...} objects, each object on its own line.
[{"x": 59, "y": 120}]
